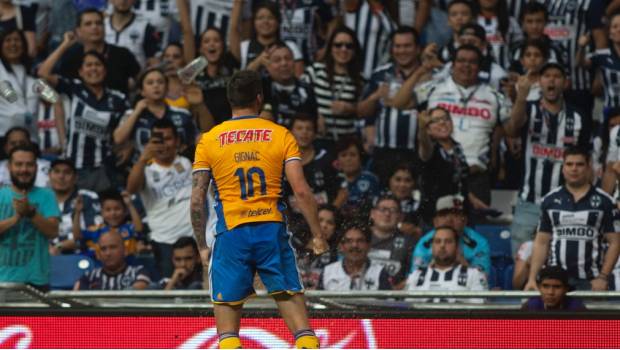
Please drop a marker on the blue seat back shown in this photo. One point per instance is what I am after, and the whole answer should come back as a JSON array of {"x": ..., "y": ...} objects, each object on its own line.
[{"x": 65, "y": 270}]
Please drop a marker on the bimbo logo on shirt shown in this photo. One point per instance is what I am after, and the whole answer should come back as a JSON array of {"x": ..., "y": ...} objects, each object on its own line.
[{"x": 467, "y": 111}]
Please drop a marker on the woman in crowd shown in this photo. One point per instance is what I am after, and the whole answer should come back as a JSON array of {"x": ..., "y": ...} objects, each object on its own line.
[
  {"x": 254, "y": 53},
  {"x": 14, "y": 71},
  {"x": 172, "y": 61},
  {"x": 95, "y": 109},
  {"x": 21, "y": 18},
  {"x": 337, "y": 84},
  {"x": 402, "y": 185},
  {"x": 137, "y": 123}
]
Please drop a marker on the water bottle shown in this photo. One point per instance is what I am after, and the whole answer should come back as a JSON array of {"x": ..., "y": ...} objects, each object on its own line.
[
  {"x": 7, "y": 91},
  {"x": 46, "y": 92},
  {"x": 188, "y": 73}
]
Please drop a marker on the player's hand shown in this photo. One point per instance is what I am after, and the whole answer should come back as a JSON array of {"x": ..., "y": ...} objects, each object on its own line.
[
  {"x": 204, "y": 257},
  {"x": 319, "y": 245},
  {"x": 599, "y": 284},
  {"x": 531, "y": 285}
]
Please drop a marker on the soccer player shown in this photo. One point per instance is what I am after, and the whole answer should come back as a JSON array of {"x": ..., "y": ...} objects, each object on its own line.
[{"x": 247, "y": 158}]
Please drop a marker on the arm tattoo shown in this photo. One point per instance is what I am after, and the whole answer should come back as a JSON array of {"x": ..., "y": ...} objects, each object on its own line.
[{"x": 200, "y": 184}]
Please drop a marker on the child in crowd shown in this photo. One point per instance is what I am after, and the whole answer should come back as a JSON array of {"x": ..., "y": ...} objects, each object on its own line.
[{"x": 114, "y": 208}]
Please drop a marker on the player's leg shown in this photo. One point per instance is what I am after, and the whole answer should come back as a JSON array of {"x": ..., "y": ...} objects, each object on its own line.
[
  {"x": 277, "y": 267},
  {"x": 293, "y": 311},
  {"x": 231, "y": 277},
  {"x": 228, "y": 322}
]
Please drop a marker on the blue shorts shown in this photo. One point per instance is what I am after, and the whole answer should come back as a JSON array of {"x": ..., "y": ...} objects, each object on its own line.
[{"x": 241, "y": 252}]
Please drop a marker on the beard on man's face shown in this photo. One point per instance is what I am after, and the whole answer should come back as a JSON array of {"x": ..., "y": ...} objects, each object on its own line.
[{"x": 22, "y": 185}]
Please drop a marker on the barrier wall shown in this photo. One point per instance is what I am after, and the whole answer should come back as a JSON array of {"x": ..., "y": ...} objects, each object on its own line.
[{"x": 199, "y": 332}]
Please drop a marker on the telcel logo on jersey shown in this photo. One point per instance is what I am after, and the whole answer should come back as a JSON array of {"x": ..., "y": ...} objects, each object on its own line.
[
  {"x": 244, "y": 135},
  {"x": 467, "y": 111},
  {"x": 575, "y": 233}
]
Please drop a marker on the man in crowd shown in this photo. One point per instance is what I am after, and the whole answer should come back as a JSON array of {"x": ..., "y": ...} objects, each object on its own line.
[
  {"x": 548, "y": 127},
  {"x": 553, "y": 285},
  {"x": 575, "y": 219},
  {"x": 29, "y": 218},
  {"x": 446, "y": 272},
  {"x": 285, "y": 95},
  {"x": 20, "y": 136},
  {"x": 473, "y": 248},
  {"x": 389, "y": 247},
  {"x": 392, "y": 131},
  {"x": 163, "y": 180},
  {"x": 121, "y": 65},
  {"x": 63, "y": 181},
  {"x": 114, "y": 274},
  {"x": 187, "y": 266},
  {"x": 355, "y": 271}
]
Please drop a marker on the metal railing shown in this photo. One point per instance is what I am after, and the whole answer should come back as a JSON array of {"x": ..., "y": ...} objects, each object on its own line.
[{"x": 15, "y": 295}]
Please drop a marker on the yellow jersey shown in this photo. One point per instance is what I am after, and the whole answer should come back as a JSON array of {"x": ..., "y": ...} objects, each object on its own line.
[{"x": 245, "y": 157}]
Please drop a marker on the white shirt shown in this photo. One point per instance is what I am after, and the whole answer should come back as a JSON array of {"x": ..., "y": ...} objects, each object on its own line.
[
  {"x": 457, "y": 278},
  {"x": 475, "y": 111},
  {"x": 166, "y": 195},
  {"x": 336, "y": 278},
  {"x": 42, "y": 176},
  {"x": 23, "y": 111},
  {"x": 131, "y": 37}
]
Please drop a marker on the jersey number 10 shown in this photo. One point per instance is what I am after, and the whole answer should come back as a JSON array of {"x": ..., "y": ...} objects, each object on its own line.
[{"x": 246, "y": 182}]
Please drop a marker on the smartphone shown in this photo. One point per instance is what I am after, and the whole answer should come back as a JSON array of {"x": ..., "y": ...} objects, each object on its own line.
[{"x": 157, "y": 137}]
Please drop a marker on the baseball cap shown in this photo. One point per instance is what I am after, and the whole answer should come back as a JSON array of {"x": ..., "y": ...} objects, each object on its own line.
[
  {"x": 475, "y": 30},
  {"x": 556, "y": 65},
  {"x": 66, "y": 162},
  {"x": 450, "y": 202}
]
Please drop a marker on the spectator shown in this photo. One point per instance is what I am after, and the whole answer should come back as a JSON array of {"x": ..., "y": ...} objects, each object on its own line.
[
  {"x": 187, "y": 266},
  {"x": 316, "y": 163},
  {"x": 474, "y": 249},
  {"x": 373, "y": 25},
  {"x": 310, "y": 265},
  {"x": 285, "y": 95},
  {"x": 446, "y": 272},
  {"x": 566, "y": 24},
  {"x": 63, "y": 181},
  {"x": 402, "y": 185},
  {"x": 612, "y": 147},
  {"x": 390, "y": 131},
  {"x": 254, "y": 54},
  {"x": 114, "y": 274},
  {"x": 29, "y": 219},
  {"x": 443, "y": 163},
  {"x": 172, "y": 61},
  {"x": 575, "y": 218},
  {"x": 21, "y": 18},
  {"x": 95, "y": 112},
  {"x": 15, "y": 70},
  {"x": 548, "y": 127},
  {"x": 356, "y": 271},
  {"x": 359, "y": 187},
  {"x": 18, "y": 136},
  {"x": 553, "y": 284},
  {"x": 501, "y": 29},
  {"x": 534, "y": 19},
  {"x": 337, "y": 84},
  {"x": 163, "y": 180},
  {"x": 127, "y": 29},
  {"x": 389, "y": 247},
  {"x": 114, "y": 208},
  {"x": 534, "y": 54},
  {"x": 137, "y": 123},
  {"x": 476, "y": 110},
  {"x": 606, "y": 61},
  {"x": 119, "y": 62},
  {"x": 460, "y": 12}
]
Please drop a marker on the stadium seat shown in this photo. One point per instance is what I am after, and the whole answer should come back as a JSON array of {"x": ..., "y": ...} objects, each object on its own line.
[
  {"x": 148, "y": 262},
  {"x": 66, "y": 269},
  {"x": 499, "y": 239}
]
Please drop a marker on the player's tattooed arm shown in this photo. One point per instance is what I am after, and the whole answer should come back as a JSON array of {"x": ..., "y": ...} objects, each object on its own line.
[{"x": 200, "y": 184}]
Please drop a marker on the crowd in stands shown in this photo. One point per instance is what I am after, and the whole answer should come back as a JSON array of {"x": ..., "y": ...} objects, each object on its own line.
[{"x": 407, "y": 113}]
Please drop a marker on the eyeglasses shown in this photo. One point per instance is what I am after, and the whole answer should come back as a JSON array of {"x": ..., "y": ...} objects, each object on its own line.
[
  {"x": 385, "y": 210},
  {"x": 443, "y": 118},
  {"x": 348, "y": 46}
]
